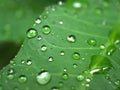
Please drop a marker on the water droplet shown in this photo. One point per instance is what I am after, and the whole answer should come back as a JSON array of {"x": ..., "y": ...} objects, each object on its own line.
[
  {"x": 111, "y": 49},
  {"x": 71, "y": 38},
  {"x": 60, "y": 3},
  {"x": 65, "y": 70},
  {"x": 43, "y": 77},
  {"x": 22, "y": 61},
  {"x": 99, "y": 11},
  {"x": 75, "y": 66},
  {"x": 50, "y": 59},
  {"x": 80, "y": 77},
  {"x": 92, "y": 42},
  {"x": 62, "y": 53},
  {"x": 31, "y": 33},
  {"x": 61, "y": 22},
  {"x": 22, "y": 79},
  {"x": 117, "y": 41},
  {"x": 39, "y": 37},
  {"x": 29, "y": 62},
  {"x": 88, "y": 80},
  {"x": 11, "y": 71},
  {"x": 87, "y": 85},
  {"x": 38, "y": 21},
  {"x": 10, "y": 76},
  {"x": 53, "y": 8},
  {"x": 46, "y": 29},
  {"x": 73, "y": 88},
  {"x": 99, "y": 64},
  {"x": 102, "y": 46},
  {"x": 77, "y": 5},
  {"x": 54, "y": 88},
  {"x": 76, "y": 56},
  {"x": 61, "y": 84},
  {"x": 43, "y": 48},
  {"x": 65, "y": 76}
]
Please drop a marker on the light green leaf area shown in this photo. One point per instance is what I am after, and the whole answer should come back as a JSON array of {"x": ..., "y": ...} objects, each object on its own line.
[{"x": 76, "y": 46}]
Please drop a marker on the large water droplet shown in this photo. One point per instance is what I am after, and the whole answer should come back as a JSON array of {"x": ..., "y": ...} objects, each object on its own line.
[
  {"x": 92, "y": 42},
  {"x": 38, "y": 21},
  {"x": 76, "y": 56},
  {"x": 71, "y": 38},
  {"x": 46, "y": 29},
  {"x": 80, "y": 77},
  {"x": 22, "y": 79},
  {"x": 43, "y": 77},
  {"x": 43, "y": 48},
  {"x": 99, "y": 64},
  {"x": 65, "y": 76},
  {"x": 111, "y": 49},
  {"x": 31, "y": 33}
]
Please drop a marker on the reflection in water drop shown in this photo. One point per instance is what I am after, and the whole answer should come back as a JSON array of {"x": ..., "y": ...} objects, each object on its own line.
[{"x": 43, "y": 77}]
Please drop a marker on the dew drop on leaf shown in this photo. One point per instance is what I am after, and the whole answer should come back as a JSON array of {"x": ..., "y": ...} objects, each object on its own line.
[
  {"x": 43, "y": 77},
  {"x": 43, "y": 48},
  {"x": 61, "y": 22},
  {"x": 31, "y": 33},
  {"x": 46, "y": 29},
  {"x": 71, "y": 38},
  {"x": 38, "y": 21},
  {"x": 62, "y": 53},
  {"x": 102, "y": 46},
  {"x": 61, "y": 84},
  {"x": 117, "y": 82},
  {"x": 76, "y": 56},
  {"x": 88, "y": 80},
  {"x": 75, "y": 66},
  {"x": 91, "y": 42},
  {"x": 22, "y": 79},
  {"x": 22, "y": 61},
  {"x": 29, "y": 62},
  {"x": 80, "y": 77},
  {"x": 50, "y": 59},
  {"x": 10, "y": 76},
  {"x": 39, "y": 37},
  {"x": 65, "y": 76},
  {"x": 60, "y": 3}
]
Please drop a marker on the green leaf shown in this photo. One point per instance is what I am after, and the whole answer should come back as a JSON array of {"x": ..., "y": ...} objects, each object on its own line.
[{"x": 75, "y": 47}]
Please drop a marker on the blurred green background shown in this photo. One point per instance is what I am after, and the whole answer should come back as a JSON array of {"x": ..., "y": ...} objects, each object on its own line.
[{"x": 16, "y": 16}]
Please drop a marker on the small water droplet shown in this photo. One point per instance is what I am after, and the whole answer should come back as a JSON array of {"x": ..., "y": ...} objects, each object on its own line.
[
  {"x": 65, "y": 76},
  {"x": 110, "y": 50},
  {"x": 53, "y": 8},
  {"x": 75, "y": 66},
  {"x": 50, "y": 59},
  {"x": 62, "y": 53},
  {"x": 99, "y": 64},
  {"x": 11, "y": 71},
  {"x": 29, "y": 62},
  {"x": 31, "y": 33},
  {"x": 22, "y": 79},
  {"x": 61, "y": 84},
  {"x": 22, "y": 61},
  {"x": 88, "y": 80},
  {"x": 77, "y": 5},
  {"x": 60, "y": 3},
  {"x": 92, "y": 42},
  {"x": 76, "y": 56},
  {"x": 87, "y": 85},
  {"x": 10, "y": 76},
  {"x": 61, "y": 22},
  {"x": 99, "y": 11},
  {"x": 65, "y": 70},
  {"x": 39, "y": 37},
  {"x": 43, "y": 48},
  {"x": 102, "y": 46},
  {"x": 38, "y": 21},
  {"x": 43, "y": 77},
  {"x": 46, "y": 29},
  {"x": 80, "y": 77},
  {"x": 71, "y": 38},
  {"x": 73, "y": 88},
  {"x": 54, "y": 88},
  {"x": 117, "y": 41}
]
